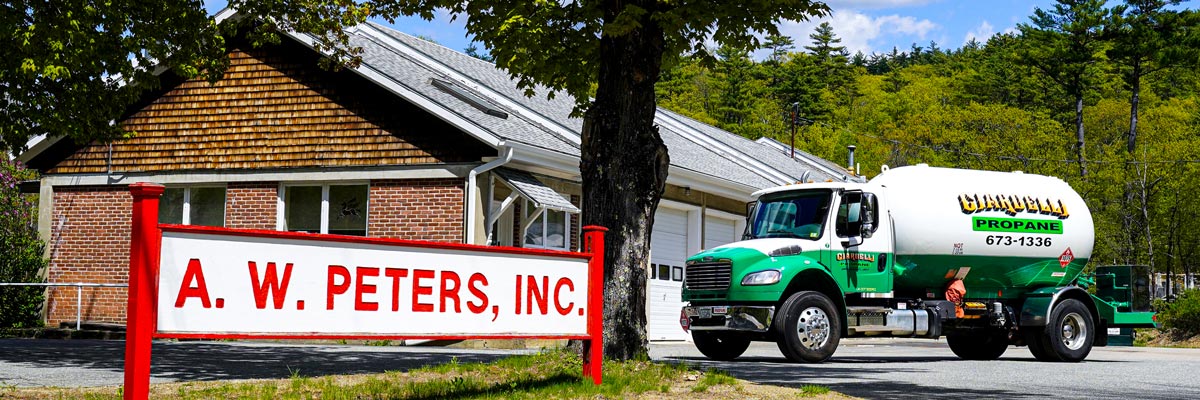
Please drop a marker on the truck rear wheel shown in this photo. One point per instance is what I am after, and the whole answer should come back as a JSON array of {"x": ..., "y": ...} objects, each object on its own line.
[
  {"x": 1036, "y": 340},
  {"x": 978, "y": 345},
  {"x": 1068, "y": 334},
  {"x": 809, "y": 327},
  {"x": 720, "y": 346}
]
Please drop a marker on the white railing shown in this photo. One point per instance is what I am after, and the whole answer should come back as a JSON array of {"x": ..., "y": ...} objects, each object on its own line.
[{"x": 78, "y": 293}]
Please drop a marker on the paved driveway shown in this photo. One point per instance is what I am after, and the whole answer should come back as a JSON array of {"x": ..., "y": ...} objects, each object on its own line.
[
  {"x": 869, "y": 368},
  {"x": 920, "y": 369}
]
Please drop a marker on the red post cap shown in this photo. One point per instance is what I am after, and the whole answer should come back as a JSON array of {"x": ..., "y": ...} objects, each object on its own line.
[{"x": 146, "y": 189}]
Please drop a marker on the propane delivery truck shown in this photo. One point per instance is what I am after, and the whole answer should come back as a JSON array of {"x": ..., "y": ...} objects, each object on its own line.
[{"x": 985, "y": 259}]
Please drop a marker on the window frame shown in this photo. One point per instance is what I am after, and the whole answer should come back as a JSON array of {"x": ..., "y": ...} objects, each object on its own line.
[
  {"x": 528, "y": 205},
  {"x": 281, "y": 204},
  {"x": 186, "y": 217}
]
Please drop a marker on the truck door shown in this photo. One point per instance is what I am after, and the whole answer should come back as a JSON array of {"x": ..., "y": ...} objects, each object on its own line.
[{"x": 868, "y": 264}]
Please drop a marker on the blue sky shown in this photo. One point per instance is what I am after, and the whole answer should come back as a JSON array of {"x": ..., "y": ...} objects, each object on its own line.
[{"x": 863, "y": 25}]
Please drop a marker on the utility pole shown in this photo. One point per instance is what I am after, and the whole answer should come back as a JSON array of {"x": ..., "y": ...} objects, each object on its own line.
[{"x": 795, "y": 111}]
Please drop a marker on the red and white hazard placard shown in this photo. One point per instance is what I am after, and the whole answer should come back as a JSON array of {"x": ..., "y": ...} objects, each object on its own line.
[
  {"x": 1066, "y": 258},
  {"x": 217, "y": 283}
]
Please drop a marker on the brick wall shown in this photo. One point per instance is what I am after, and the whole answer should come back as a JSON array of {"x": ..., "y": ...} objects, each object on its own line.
[
  {"x": 416, "y": 209},
  {"x": 90, "y": 232},
  {"x": 251, "y": 205},
  {"x": 89, "y": 243}
]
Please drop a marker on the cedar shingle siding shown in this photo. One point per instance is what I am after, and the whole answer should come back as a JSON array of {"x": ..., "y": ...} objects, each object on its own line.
[{"x": 275, "y": 108}]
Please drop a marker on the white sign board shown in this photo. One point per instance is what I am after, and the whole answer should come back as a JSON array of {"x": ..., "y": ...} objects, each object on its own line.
[{"x": 211, "y": 284}]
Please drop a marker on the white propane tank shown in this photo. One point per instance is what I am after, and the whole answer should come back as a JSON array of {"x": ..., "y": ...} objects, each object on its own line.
[{"x": 1003, "y": 233}]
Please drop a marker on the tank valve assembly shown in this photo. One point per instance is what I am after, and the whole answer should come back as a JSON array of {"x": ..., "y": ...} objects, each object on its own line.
[{"x": 997, "y": 314}]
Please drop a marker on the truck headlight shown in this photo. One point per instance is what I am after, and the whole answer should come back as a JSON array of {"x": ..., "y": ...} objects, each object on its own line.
[{"x": 768, "y": 277}]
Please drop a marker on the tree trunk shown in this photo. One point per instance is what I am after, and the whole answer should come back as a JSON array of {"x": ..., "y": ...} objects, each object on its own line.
[
  {"x": 624, "y": 166},
  {"x": 1079, "y": 142},
  {"x": 1145, "y": 206},
  {"x": 1131, "y": 140}
]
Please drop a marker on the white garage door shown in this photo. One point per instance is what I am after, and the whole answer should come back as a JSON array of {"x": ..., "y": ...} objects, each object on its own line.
[
  {"x": 668, "y": 250},
  {"x": 719, "y": 231}
]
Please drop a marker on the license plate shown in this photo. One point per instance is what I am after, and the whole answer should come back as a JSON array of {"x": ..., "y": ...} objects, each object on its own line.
[
  {"x": 720, "y": 310},
  {"x": 704, "y": 312}
]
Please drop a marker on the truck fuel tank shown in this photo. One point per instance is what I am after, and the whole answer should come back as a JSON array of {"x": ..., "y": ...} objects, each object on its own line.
[{"x": 1003, "y": 233}]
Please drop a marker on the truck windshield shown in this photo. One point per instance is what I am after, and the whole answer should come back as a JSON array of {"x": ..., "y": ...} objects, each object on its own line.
[{"x": 800, "y": 214}]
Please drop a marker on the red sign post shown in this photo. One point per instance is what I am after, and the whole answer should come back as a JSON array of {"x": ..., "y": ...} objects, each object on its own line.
[{"x": 217, "y": 283}]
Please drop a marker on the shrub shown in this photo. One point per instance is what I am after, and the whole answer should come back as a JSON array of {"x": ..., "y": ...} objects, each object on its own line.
[
  {"x": 20, "y": 249},
  {"x": 1183, "y": 314}
]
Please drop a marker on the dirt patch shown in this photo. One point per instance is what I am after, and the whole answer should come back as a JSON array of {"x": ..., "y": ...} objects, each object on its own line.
[{"x": 1163, "y": 338}]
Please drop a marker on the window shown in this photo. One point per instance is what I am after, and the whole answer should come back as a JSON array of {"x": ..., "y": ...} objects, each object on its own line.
[
  {"x": 799, "y": 214},
  {"x": 857, "y": 207},
  {"x": 192, "y": 206},
  {"x": 334, "y": 209},
  {"x": 664, "y": 272},
  {"x": 550, "y": 230}
]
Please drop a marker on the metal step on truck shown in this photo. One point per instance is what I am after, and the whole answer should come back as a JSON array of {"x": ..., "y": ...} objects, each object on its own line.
[{"x": 985, "y": 259}]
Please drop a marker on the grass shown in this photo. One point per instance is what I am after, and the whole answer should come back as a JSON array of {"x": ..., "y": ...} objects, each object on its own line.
[
  {"x": 714, "y": 377},
  {"x": 813, "y": 390},
  {"x": 547, "y": 375}
]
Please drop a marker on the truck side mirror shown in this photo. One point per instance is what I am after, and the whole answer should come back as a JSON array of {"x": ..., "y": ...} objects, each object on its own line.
[{"x": 868, "y": 213}]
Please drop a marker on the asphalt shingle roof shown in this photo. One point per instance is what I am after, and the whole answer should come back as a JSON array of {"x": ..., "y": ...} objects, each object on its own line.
[
  {"x": 557, "y": 130},
  {"x": 417, "y": 77}
]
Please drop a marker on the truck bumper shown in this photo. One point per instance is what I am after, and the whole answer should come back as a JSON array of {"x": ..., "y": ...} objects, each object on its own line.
[{"x": 729, "y": 318}]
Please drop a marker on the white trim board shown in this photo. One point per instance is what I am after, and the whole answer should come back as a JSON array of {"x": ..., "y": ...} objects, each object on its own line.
[{"x": 423, "y": 172}]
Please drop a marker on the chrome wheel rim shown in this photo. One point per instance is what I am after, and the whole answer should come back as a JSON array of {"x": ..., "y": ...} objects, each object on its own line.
[
  {"x": 1074, "y": 331},
  {"x": 813, "y": 328}
]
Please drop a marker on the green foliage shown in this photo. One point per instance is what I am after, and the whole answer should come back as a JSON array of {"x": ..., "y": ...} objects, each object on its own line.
[
  {"x": 991, "y": 106},
  {"x": 1066, "y": 45},
  {"x": 72, "y": 68},
  {"x": 20, "y": 250},
  {"x": 1181, "y": 315}
]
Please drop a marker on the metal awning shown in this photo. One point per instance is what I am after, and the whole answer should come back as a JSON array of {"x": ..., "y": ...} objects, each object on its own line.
[
  {"x": 525, "y": 185},
  {"x": 529, "y": 187}
]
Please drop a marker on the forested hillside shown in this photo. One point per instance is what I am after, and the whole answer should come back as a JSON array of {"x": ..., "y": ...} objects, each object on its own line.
[{"x": 1106, "y": 97}]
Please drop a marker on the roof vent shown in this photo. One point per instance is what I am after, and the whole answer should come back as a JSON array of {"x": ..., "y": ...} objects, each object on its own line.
[{"x": 469, "y": 98}]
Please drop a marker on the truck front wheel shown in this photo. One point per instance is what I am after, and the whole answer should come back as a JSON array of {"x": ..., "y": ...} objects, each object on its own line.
[
  {"x": 978, "y": 345},
  {"x": 720, "y": 346},
  {"x": 809, "y": 327}
]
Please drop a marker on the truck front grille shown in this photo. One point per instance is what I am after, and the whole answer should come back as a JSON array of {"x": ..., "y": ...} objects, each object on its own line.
[{"x": 708, "y": 276}]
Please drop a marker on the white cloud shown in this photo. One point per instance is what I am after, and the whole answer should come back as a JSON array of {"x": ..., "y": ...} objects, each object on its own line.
[
  {"x": 906, "y": 25},
  {"x": 981, "y": 33},
  {"x": 859, "y": 31}
]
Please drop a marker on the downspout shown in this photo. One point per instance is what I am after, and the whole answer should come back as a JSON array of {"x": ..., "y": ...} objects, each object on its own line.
[{"x": 505, "y": 155}]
